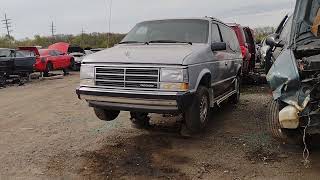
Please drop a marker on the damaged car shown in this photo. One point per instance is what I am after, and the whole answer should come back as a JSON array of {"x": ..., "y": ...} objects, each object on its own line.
[
  {"x": 15, "y": 62},
  {"x": 295, "y": 74},
  {"x": 75, "y": 51}
]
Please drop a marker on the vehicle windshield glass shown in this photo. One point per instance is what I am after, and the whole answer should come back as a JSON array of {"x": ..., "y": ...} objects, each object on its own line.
[
  {"x": 194, "y": 31},
  {"x": 43, "y": 52},
  {"x": 5, "y": 53}
]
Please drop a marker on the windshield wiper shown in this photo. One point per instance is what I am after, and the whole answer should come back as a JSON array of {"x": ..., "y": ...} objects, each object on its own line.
[
  {"x": 169, "y": 41},
  {"x": 133, "y": 42}
]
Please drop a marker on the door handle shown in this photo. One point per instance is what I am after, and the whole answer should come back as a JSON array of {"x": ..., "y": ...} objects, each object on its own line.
[{"x": 226, "y": 63}]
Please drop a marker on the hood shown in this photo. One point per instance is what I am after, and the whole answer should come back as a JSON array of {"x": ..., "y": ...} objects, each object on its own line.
[
  {"x": 66, "y": 48},
  {"x": 61, "y": 46},
  {"x": 172, "y": 54},
  {"x": 306, "y": 15}
]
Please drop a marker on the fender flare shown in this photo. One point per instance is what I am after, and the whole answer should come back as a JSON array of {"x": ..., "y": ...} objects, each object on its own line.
[{"x": 201, "y": 75}]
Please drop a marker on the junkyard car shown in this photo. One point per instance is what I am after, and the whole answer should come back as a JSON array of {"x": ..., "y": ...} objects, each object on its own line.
[
  {"x": 75, "y": 51},
  {"x": 246, "y": 55},
  {"x": 50, "y": 60},
  {"x": 13, "y": 62},
  {"x": 165, "y": 66},
  {"x": 295, "y": 74}
]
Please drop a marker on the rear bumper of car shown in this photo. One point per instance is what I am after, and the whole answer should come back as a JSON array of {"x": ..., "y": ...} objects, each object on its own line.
[{"x": 138, "y": 101}]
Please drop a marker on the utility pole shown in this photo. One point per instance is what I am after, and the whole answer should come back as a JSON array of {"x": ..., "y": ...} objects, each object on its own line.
[
  {"x": 52, "y": 29},
  {"x": 110, "y": 14},
  {"x": 82, "y": 37},
  {"x": 7, "y": 23}
]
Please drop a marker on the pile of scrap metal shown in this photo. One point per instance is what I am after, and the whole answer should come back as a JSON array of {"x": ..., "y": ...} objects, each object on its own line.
[
  {"x": 295, "y": 74},
  {"x": 16, "y": 64}
]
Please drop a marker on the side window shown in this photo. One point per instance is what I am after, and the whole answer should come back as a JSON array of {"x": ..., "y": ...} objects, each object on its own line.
[
  {"x": 230, "y": 38},
  {"x": 235, "y": 42},
  {"x": 52, "y": 53},
  {"x": 58, "y": 53},
  {"x": 285, "y": 33},
  {"x": 19, "y": 54},
  {"x": 215, "y": 33}
]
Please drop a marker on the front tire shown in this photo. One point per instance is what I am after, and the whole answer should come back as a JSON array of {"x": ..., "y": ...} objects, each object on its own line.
[
  {"x": 287, "y": 136},
  {"x": 140, "y": 120},
  {"x": 49, "y": 67},
  {"x": 197, "y": 115},
  {"x": 106, "y": 115}
]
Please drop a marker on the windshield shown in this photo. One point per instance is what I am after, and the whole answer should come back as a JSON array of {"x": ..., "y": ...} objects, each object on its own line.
[
  {"x": 43, "y": 52},
  {"x": 5, "y": 53},
  {"x": 194, "y": 31}
]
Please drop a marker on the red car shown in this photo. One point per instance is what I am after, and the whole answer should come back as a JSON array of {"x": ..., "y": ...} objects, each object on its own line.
[
  {"x": 49, "y": 60},
  {"x": 250, "y": 41},
  {"x": 243, "y": 45}
]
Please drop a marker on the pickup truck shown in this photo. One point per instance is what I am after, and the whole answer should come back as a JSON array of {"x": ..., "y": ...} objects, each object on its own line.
[
  {"x": 15, "y": 62},
  {"x": 171, "y": 66}
]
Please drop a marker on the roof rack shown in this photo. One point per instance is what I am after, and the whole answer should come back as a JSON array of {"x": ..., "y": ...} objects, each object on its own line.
[{"x": 215, "y": 19}]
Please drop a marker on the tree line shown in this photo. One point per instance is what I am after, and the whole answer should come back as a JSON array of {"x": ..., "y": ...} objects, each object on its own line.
[{"x": 92, "y": 40}]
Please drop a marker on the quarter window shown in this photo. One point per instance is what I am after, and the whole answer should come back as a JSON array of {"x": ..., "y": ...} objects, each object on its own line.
[
  {"x": 230, "y": 38},
  {"x": 215, "y": 34}
]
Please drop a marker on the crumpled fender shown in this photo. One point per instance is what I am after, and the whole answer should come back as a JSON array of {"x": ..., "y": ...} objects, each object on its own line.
[{"x": 284, "y": 80}]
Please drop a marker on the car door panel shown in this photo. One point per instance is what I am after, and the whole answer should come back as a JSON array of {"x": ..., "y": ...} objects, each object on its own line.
[{"x": 218, "y": 66}]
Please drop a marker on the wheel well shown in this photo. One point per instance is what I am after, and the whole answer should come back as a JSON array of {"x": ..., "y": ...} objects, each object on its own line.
[
  {"x": 239, "y": 72},
  {"x": 206, "y": 81}
]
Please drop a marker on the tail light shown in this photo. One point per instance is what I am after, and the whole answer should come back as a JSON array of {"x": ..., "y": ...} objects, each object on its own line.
[{"x": 244, "y": 51}]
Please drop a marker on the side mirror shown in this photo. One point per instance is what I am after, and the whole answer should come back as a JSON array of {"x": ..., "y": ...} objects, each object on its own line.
[
  {"x": 272, "y": 42},
  {"x": 218, "y": 46}
]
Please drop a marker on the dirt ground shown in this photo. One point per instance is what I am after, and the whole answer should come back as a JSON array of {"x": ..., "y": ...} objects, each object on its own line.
[{"x": 47, "y": 133}]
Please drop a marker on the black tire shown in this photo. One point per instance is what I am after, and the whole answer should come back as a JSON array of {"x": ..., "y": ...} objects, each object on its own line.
[
  {"x": 140, "y": 120},
  {"x": 73, "y": 65},
  {"x": 235, "y": 99},
  {"x": 286, "y": 136},
  {"x": 65, "y": 72},
  {"x": 195, "y": 121},
  {"x": 49, "y": 68},
  {"x": 106, "y": 115}
]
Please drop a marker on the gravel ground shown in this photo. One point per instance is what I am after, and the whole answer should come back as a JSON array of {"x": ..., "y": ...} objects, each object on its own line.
[{"x": 47, "y": 133}]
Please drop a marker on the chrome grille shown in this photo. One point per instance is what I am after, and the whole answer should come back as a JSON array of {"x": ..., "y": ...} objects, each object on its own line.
[{"x": 132, "y": 78}]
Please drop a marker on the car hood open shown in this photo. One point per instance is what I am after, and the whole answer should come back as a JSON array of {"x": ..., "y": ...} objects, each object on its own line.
[{"x": 171, "y": 54}]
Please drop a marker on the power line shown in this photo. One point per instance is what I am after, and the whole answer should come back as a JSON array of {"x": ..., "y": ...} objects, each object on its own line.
[{"x": 7, "y": 23}]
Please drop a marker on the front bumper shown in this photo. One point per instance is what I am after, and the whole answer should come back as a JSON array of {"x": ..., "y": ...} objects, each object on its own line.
[{"x": 138, "y": 101}]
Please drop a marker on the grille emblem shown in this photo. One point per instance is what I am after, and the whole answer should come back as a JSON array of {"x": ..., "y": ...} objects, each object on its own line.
[
  {"x": 127, "y": 53},
  {"x": 147, "y": 85}
]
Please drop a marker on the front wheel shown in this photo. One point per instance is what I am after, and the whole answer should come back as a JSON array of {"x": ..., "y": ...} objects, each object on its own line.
[
  {"x": 49, "y": 67},
  {"x": 288, "y": 136},
  {"x": 140, "y": 120},
  {"x": 106, "y": 115},
  {"x": 197, "y": 115}
]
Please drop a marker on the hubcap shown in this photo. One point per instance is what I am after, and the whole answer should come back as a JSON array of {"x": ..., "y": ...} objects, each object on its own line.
[{"x": 203, "y": 109}]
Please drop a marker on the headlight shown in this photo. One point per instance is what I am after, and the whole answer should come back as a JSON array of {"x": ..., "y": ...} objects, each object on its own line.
[
  {"x": 86, "y": 75},
  {"x": 173, "y": 75}
]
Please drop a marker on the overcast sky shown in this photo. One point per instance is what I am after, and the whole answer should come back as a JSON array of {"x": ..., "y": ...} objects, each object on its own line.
[{"x": 31, "y": 17}]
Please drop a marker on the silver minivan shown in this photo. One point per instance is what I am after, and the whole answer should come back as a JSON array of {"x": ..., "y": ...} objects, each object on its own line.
[{"x": 170, "y": 66}]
